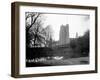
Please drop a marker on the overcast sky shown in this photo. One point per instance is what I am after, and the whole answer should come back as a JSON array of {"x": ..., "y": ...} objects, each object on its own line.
[{"x": 77, "y": 24}]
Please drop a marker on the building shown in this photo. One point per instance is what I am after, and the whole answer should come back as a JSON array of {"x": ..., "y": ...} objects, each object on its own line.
[
  {"x": 76, "y": 34},
  {"x": 49, "y": 32},
  {"x": 64, "y": 35},
  {"x": 48, "y": 36}
]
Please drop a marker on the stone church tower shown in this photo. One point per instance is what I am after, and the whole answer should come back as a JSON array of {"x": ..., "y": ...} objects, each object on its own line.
[{"x": 64, "y": 35}]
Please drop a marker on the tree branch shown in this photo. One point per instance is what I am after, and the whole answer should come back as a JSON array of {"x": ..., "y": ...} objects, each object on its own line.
[{"x": 33, "y": 22}]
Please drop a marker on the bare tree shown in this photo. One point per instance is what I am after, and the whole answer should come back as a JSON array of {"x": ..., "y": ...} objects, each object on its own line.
[
  {"x": 34, "y": 30},
  {"x": 33, "y": 17}
]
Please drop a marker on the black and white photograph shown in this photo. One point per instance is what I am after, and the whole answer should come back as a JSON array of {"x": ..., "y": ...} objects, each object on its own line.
[
  {"x": 57, "y": 39},
  {"x": 53, "y": 39}
]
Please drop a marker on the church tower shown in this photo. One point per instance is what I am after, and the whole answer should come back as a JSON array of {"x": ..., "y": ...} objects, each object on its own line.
[
  {"x": 64, "y": 35},
  {"x": 76, "y": 35}
]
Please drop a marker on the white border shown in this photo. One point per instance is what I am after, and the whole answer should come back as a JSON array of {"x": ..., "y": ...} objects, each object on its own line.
[{"x": 52, "y": 69}]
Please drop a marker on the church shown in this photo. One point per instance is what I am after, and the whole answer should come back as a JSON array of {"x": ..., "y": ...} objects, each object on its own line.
[{"x": 64, "y": 35}]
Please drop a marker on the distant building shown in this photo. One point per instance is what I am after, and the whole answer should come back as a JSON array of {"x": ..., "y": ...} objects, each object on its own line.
[
  {"x": 76, "y": 35},
  {"x": 48, "y": 36},
  {"x": 64, "y": 35},
  {"x": 49, "y": 32}
]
